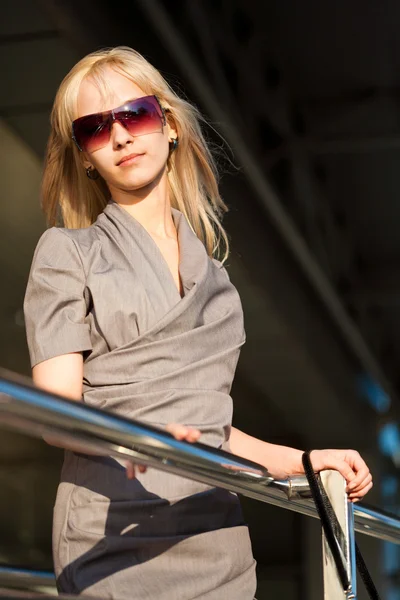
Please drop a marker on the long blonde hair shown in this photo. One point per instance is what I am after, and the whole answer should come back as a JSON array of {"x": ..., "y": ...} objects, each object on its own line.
[{"x": 192, "y": 170}]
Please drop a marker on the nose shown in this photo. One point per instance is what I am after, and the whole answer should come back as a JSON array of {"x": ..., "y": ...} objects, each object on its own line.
[{"x": 120, "y": 135}]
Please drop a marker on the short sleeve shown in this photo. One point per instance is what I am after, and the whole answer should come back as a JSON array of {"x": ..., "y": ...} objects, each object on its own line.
[{"x": 54, "y": 302}]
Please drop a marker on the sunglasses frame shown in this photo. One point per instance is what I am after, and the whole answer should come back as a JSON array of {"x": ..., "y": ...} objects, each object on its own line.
[{"x": 111, "y": 115}]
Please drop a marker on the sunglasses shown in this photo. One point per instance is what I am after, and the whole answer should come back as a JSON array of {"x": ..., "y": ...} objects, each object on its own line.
[{"x": 140, "y": 116}]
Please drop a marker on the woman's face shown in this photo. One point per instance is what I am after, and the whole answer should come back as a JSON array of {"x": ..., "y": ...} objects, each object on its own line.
[{"x": 153, "y": 147}]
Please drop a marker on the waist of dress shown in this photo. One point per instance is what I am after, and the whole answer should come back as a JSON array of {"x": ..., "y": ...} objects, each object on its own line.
[{"x": 208, "y": 410}]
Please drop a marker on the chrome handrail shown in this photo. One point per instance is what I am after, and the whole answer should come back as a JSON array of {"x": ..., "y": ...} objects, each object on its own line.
[
  {"x": 27, "y": 578},
  {"x": 28, "y": 409}
]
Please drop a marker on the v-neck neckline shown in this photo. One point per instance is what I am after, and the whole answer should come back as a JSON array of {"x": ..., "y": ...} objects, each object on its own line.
[{"x": 176, "y": 216}]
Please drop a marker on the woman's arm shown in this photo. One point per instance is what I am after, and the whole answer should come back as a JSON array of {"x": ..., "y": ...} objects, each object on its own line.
[
  {"x": 62, "y": 375},
  {"x": 283, "y": 461}
]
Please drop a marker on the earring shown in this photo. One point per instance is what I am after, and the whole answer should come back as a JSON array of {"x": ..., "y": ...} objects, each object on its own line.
[
  {"x": 173, "y": 145},
  {"x": 92, "y": 173}
]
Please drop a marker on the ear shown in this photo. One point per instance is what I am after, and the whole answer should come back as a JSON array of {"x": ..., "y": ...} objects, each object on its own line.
[
  {"x": 171, "y": 127},
  {"x": 85, "y": 160}
]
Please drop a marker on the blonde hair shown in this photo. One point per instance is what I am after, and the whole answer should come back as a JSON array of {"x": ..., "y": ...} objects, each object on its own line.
[{"x": 192, "y": 170}]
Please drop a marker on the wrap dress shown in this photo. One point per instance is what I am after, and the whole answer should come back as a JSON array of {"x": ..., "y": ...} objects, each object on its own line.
[{"x": 152, "y": 355}]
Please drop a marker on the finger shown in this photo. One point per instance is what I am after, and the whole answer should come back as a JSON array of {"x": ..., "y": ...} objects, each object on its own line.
[
  {"x": 330, "y": 461},
  {"x": 193, "y": 434},
  {"x": 355, "y": 488},
  {"x": 176, "y": 429},
  {"x": 181, "y": 432},
  {"x": 190, "y": 435},
  {"x": 358, "y": 465},
  {"x": 361, "y": 473},
  {"x": 362, "y": 491},
  {"x": 130, "y": 470},
  {"x": 359, "y": 478}
]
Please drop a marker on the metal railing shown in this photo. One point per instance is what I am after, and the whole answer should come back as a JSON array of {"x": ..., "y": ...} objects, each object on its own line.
[
  {"x": 28, "y": 409},
  {"x": 16, "y": 577}
]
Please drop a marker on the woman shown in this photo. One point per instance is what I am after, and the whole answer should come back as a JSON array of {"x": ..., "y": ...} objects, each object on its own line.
[{"x": 127, "y": 309}]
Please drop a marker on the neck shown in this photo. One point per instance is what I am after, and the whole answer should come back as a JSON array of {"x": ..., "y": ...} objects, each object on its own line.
[{"x": 150, "y": 205}]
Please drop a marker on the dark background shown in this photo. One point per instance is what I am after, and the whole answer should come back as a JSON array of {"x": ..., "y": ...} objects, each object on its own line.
[{"x": 306, "y": 98}]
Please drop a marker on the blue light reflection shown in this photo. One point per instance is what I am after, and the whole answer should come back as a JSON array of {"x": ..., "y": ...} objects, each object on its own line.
[{"x": 373, "y": 392}]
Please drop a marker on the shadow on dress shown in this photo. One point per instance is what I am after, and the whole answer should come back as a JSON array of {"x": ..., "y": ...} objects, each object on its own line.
[{"x": 108, "y": 535}]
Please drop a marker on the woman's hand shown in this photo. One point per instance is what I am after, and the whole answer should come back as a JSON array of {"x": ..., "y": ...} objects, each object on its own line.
[
  {"x": 180, "y": 432},
  {"x": 283, "y": 462},
  {"x": 350, "y": 464}
]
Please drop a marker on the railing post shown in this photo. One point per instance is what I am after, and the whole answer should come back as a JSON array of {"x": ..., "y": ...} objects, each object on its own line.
[{"x": 335, "y": 487}]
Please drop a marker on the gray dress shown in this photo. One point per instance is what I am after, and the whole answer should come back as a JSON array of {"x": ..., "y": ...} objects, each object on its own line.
[{"x": 151, "y": 355}]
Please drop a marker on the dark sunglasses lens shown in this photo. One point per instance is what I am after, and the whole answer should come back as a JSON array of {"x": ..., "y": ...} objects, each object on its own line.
[
  {"x": 141, "y": 116},
  {"x": 91, "y": 132}
]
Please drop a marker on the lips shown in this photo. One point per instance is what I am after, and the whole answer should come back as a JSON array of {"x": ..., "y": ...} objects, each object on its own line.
[{"x": 127, "y": 157}]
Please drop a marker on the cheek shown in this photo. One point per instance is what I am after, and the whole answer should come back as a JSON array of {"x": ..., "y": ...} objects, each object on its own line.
[
  {"x": 158, "y": 149},
  {"x": 103, "y": 161}
]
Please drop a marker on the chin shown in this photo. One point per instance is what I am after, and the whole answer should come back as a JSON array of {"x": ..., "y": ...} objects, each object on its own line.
[
  {"x": 135, "y": 183},
  {"x": 136, "y": 180}
]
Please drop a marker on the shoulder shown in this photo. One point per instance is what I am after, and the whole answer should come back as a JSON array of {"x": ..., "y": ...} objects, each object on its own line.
[
  {"x": 220, "y": 266},
  {"x": 80, "y": 238},
  {"x": 52, "y": 243},
  {"x": 61, "y": 244},
  {"x": 217, "y": 262}
]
